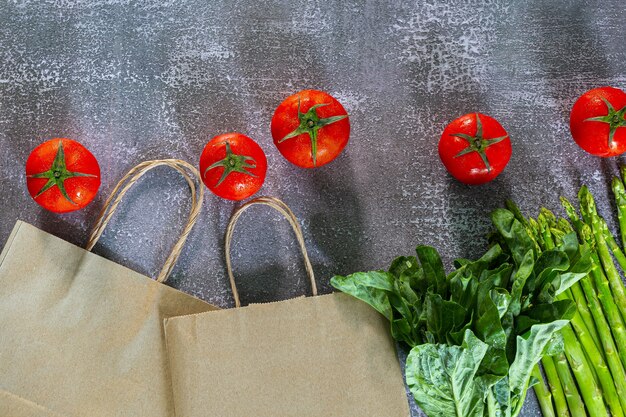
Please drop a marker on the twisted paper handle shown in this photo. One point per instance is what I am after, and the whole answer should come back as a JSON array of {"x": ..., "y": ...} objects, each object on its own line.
[
  {"x": 283, "y": 209},
  {"x": 129, "y": 180}
]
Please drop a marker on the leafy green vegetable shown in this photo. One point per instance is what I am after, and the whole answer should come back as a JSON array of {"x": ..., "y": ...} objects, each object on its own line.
[
  {"x": 371, "y": 287},
  {"x": 443, "y": 378},
  {"x": 477, "y": 333}
]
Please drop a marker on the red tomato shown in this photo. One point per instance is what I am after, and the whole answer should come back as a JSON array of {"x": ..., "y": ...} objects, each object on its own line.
[
  {"x": 233, "y": 166},
  {"x": 474, "y": 148},
  {"x": 598, "y": 121},
  {"x": 310, "y": 128},
  {"x": 62, "y": 175}
]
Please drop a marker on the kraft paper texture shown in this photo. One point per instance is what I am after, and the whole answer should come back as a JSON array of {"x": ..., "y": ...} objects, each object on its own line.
[
  {"x": 322, "y": 356},
  {"x": 81, "y": 335}
]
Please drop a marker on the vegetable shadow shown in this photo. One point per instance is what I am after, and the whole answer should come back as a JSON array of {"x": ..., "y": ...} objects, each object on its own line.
[
  {"x": 604, "y": 197},
  {"x": 145, "y": 226},
  {"x": 280, "y": 47},
  {"x": 266, "y": 259},
  {"x": 239, "y": 92},
  {"x": 336, "y": 223},
  {"x": 467, "y": 208},
  {"x": 328, "y": 203},
  {"x": 571, "y": 47},
  {"x": 25, "y": 127},
  {"x": 450, "y": 91},
  {"x": 263, "y": 285},
  {"x": 469, "y": 211}
]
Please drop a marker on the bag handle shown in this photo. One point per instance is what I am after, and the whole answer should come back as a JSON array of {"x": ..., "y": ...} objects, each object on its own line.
[
  {"x": 188, "y": 171},
  {"x": 283, "y": 209}
]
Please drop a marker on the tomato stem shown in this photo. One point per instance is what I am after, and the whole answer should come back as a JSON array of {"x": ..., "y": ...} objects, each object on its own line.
[
  {"x": 57, "y": 174},
  {"x": 233, "y": 163},
  {"x": 614, "y": 118},
  {"x": 310, "y": 123},
  {"x": 478, "y": 143}
]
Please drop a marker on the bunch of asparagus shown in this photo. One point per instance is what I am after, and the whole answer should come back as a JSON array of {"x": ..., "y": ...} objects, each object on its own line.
[{"x": 588, "y": 376}]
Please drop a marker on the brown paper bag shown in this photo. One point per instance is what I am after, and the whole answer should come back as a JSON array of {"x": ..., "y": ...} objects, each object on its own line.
[
  {"x": 320, "y": 356},
  {"x": 81, "y": 335}
]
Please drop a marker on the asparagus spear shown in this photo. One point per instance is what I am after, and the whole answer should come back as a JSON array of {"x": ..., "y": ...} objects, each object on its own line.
[
  {"x": 562, "y": 228},
  {"x": 620, "y": 201},
  {"x": 546, "y": 220},
  {"x": 594, "y": 357},
  {"x": 574, "y": 401},
  {"x": 544, "y": 397},
  {"x": 581, "y": 357},
  {"x": 602, "y": 257},
  {"x": 617, "y": 285},
  {"x": 582, "y": 307},
  {"x": 610, "y": 310},
  {"x": 612, "y": 243},
  {"x": 577, "y": 360},
  {"x": 529, "y": 224},
  {"x": 614, "y": 394},
  {"x": 571, "y": 213},
  {"x": 582, "y": 304},
  {"x": 580, "y": 367},
  {"x": 585, "y": 329},
  {"x": 589, "y": 212},
  {"x": 554, "y": 382},
  {"x": 535, "y": 234},
  {"x": 608, "y": 345},
  {"x": 517, "y": 213},
  {"x": 612, "y": 353}
]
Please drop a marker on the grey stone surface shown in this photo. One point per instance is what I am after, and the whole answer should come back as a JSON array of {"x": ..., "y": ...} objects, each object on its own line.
[{"x": 138, "y": 80}]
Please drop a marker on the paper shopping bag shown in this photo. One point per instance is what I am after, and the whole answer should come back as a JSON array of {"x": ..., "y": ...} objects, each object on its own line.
[
  {"x": 319, "y": 356},
  {"x": 81, "y": 335}
]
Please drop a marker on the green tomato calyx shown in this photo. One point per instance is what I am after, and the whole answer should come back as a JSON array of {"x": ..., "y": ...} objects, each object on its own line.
[
  {"x": 233, "y": 163},
  {"x": 478, "y": 143},
  {"x": 615, "y": 119},
  {"x": 310, "y": 123},
  {"x": 58, "y": 174}
]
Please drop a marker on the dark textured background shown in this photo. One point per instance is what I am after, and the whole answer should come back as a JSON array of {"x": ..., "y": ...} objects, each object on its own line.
[{"x": 138, "y": 80}]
